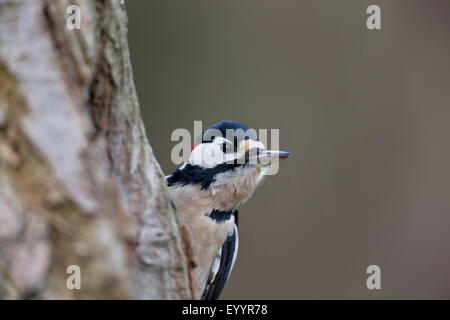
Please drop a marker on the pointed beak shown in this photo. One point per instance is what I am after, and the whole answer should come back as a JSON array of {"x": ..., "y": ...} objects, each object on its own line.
[{"x": 265, "y": 156}]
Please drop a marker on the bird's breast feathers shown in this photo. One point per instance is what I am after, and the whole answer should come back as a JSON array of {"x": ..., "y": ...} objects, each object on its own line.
[{"x": 208, "y": 228}]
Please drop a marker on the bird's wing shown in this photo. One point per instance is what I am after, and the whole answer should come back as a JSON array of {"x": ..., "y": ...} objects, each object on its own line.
[{"x": 222, "y": 266}]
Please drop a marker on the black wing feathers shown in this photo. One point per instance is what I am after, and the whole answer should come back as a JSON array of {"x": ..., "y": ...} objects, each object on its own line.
[{"x": 214, "y": 289}]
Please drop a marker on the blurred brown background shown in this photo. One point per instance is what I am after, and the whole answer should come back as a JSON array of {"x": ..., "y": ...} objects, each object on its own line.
[{"x": 364, "y": 113}]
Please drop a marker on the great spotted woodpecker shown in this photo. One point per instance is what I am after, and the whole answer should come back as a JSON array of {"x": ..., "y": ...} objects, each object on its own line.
[{"x": 220, "y": 174}]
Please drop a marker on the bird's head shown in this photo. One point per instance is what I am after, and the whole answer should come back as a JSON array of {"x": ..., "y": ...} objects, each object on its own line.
[{"x": 229, "y": 161}]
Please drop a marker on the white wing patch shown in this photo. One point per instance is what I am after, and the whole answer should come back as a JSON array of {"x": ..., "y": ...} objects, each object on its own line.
[{"x": 216, "y": 265}]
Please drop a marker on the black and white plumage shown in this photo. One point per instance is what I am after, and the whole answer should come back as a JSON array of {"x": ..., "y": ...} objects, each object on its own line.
[
  {"x": 223, "y": 265},
  {"x": 221, "y": 173}
]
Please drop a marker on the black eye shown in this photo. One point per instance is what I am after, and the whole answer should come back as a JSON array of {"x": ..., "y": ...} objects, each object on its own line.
[{"x": 224, "y": 147}]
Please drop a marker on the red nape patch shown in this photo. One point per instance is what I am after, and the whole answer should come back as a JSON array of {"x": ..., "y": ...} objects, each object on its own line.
[{"x": 194, "y": 146}]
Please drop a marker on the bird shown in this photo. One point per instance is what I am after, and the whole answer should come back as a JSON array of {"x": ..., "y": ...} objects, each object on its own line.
[{"x": 221, "y": 173}]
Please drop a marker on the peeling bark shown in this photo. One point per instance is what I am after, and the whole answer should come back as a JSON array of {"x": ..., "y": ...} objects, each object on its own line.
[{"x": 79, "y": 184}]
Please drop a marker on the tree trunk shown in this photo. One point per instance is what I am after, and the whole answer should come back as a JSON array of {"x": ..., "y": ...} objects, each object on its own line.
[{"x": 79, "y": 184}]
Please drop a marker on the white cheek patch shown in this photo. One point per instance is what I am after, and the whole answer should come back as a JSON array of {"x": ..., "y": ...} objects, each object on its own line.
[
  {"x": 209, "y": 155},
  {"x": 206, "y": 155}
]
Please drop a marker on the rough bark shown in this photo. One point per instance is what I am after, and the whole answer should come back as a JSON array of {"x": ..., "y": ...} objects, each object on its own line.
[{"x": 79, "y": 184}]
